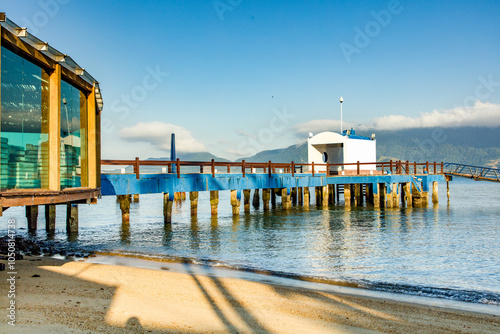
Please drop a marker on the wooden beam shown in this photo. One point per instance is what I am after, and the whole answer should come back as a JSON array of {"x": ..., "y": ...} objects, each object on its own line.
[
  {"x": 16, "y": 45},
  {"x": 27, "y": 197},
  {"x": 91, "y": 140},
  {"x": 54, "y": 125}
]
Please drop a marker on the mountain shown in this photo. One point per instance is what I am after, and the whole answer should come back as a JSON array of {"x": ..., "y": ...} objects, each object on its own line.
[
  {"x": 199, "y": 156},
  {"x": 468, "y": 145}
]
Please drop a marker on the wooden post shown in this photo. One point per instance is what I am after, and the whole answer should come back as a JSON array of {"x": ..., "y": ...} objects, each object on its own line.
[
  {"x": 246, "y": 199},
  {"x": 32, "y": 216},
  {"x": 54, "y": 165},
  {"x": 286, "y": 202},
  {"x": 331, "y": 194},
  {"x": 300, "y": 196},
  {"x": 294, "y": 195},
  {"x": 435, "y": 196},
  {"x": 408, "y": 195},
  {"x": 306, "y": 197},
  {"x": 347, "y": 195},
  {"x": 383, "y": 195},
  {"x": 235, "y": 202},
  {"x": 417, "y": 197},
  {"x": 312, "y": 164},
  {"x": 448, "y": 188},
  {"x": 136, "y": 168},
  {"x": 243, "y": 167},
  {"x": 358, "y": 168},
  {"x": 135, "y": 198},
  {"x": 125, "y": 207},
  {"x": 214, "y": 202},
  {"x": 273, "y": 197},
  {"x": 256, "y": 198},
  {"x": 375, "y": 188},
  {"x": 395, "y": 197},
  {"x": 318, "y": 192},
  {"x": 212, "y": 165},
  {"x": 72, "y": 218},
  {"x": 193, "y": 197},
  {"x": 167, "y": 208},
  {"x": 358, "y": 196},
  {"x": 324, "y": 196},
  {"x": 50, "y": 217},
  {"x": 266, "y": 195},
  {"x": 178, "y": 168}
]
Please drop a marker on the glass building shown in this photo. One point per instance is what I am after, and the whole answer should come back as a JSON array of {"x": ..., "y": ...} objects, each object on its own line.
[{"x": 49, "y": 123}]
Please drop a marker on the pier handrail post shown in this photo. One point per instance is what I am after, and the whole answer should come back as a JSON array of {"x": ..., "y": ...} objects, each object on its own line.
[
  {"x": 170, "y": 167},
  {"x": 293, "y": 169},
  {"x": 229, "y": 169},
  {"x": 383, "y": 168},
  {"x": 435, "y": 168},
  {"x": 427, "y": 166},
  {"x": 136, "y": 167},
  {"x": 390, "y": 165},
  {"x": 407, "y": 167},
  {"x": 312, "y": 163},
  {"x": 442, "y": 167},
  {"x": 201, "y": 169},
  {"x": 178, "y": 168},
  {"x": 327, "y": 169},
  {"x": 243, "y": 167},
  {"x": 358, "y": 168},
  {"x": 270, "y": 167},
  {"x": 213, "y": 167},
  {"x": 415, "y": 167}
]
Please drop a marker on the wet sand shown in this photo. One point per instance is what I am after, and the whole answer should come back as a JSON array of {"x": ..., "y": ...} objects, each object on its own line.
[{"x": 85, "y": 297}]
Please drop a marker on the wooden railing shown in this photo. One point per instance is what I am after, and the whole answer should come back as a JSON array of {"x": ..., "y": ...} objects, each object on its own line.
[{"x": 394, "y": 167}]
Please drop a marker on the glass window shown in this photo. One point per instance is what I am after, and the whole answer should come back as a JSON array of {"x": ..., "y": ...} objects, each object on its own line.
[
  {"x": 24, "y": 135},
  {"x": 73, "y": 136}
]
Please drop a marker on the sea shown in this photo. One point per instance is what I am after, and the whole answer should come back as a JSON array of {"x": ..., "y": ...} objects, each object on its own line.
[{"x": 446, "y": 251}]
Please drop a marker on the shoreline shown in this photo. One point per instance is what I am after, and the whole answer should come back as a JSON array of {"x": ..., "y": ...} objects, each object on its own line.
[{"x": 83, "y": 296}]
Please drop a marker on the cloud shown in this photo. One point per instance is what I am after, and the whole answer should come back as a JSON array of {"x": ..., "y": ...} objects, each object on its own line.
[
  {"x": 158, "y": 134},
  {"x": 480, "y": 114}
]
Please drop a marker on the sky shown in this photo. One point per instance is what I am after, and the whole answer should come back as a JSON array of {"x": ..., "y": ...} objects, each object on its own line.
[{"x": 234, "y": 77}]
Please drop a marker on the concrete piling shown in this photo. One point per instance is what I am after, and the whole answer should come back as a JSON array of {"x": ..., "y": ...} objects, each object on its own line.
[
  {"x": 193, "y": 197},
  {"x": 383, "y": 195},
  {"x": 331, "y": 194},
  {"x": 300, "y": 196},
  {"x": 435, "y": 196},
  {"x": 124, "y": 201},
  {"x": 214, "y": 202},
  {"x": 236, "y": 202},
  {"x": 246, "y": 200},
  {"x": 50, "y": 217},
  {"x": 72, "y": 218},
  {"x": 286, "y": 201},
  {"x": 135, "y": 198},
  {"x": 32, "y": 216},
  {"x": 358, "y": 194},
  {"x": 256, "y": 198},
  {"x": 294, "y": 195},
  {"x": 347, "y": 195},
  {"x": 318, "y": 192},
  {"x": 167, "y": 208},
  {"x": 448, "y": 188},
  {"x": 375, "y": 190},
  {"x": 307, "y": 197},
  {"x": 273, "y": 198},
  {"x": 266, "y": 196},
  {"x": 324, "y": 196}
]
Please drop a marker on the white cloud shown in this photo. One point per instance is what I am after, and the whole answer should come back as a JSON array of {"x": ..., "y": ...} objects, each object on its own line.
[
  {"x": 158, "y": 134},
  {"x": 481, "y": 114}
]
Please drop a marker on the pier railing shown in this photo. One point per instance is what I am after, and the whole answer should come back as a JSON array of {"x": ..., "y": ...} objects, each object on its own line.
[
  {"x": 243, "y": 167},
  {"x": 473, "y": 172}
]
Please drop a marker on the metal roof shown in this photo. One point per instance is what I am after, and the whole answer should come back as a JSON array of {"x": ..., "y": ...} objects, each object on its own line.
[{"x": 59, "y": 57}]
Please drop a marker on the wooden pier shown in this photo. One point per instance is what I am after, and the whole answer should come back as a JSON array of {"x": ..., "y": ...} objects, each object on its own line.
[{"x": 393, "y": 184}]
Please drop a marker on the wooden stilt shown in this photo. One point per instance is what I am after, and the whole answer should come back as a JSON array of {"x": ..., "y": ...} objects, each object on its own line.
[
  {"x": 32, "y": 216},
  {"x": 347, "y": 195},
  {"x": 125, "y": 207},
  {"x": 256, "y": 198},
  {"x": 72, "y": 218},
  {"x": 246, "y": 200},
  {"x": 266, "y": 196},
  {"x": 235, "y": 202},
  {"x": 167, "y": 208},
  {"x": 214, "y": 202},
  {"x": 306, "y": 197},
  {"x": 193, "y": 197},
  {"x": 50, "y": 217}
]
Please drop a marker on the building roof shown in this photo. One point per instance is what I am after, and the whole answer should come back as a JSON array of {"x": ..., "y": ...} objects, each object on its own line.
[{"x": 63, "y": 59}]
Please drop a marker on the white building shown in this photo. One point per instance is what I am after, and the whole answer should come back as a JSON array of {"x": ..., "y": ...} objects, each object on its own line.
[{"x": 336, "y": 148}]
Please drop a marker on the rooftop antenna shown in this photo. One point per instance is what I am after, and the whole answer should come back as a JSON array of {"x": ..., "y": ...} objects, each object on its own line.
[{"x": 341, "y": 100}]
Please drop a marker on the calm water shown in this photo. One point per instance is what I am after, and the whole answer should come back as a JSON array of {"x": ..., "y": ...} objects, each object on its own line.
[{"x": 448, "y": 251}]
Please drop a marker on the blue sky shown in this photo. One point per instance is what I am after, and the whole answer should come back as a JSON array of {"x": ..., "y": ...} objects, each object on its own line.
[{"x": 244, "y": 76}]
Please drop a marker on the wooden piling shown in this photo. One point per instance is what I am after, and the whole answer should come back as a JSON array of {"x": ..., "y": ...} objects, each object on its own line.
[
  {"x": 435, "y": 196},
  {"x": 124, "y": 201},
  {"x": 246, "y": 200},
  {"x": 32, "y": 216},
  {"x": 324, "y": 196},
  {"x": 236, "y": 202},
  {"x": 448, "y": 188},
  {"x": 214, "y": 202},
  {"x": 300, "y": 196},
  {"x": 383, "y": 195},
  {"x": 286, "y": 201},
  {"x": 266, "y": 196},
  {"x": 256, "y": 198},
  {"x": 395, "y": 195},
  {"x": 307, "y": 197},
  {"x": 375, "y": 189},
  {"x": 72, "y": 218},
  {"x": 408, "y": 195},
  {"x": 318, "y": 192},
  {"x": 417, "y": 197},
  {"x": 135, "y": 198},
  {"x": 358, "y": 195},
  {"x": 331, "y": 194},
  {"x": 50, "y": 217},
  {"x": 167, "y": 208},
  {"x": 294, "y": 195},
  {"x": 273, "y": 198},
  {"x": 347, "y": 195},
  {"x": 193, "y": 197}
]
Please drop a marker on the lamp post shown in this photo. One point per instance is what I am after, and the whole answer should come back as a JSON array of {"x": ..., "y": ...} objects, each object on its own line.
[{"x": 341, "y": 100}]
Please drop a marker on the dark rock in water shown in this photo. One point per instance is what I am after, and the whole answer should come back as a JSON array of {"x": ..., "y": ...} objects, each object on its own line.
[
  {"x": 63, "y": 252},
  {"x": 36, "y": 275}
]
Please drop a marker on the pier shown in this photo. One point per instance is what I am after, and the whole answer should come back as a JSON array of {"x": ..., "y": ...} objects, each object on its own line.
[{"x": 392, "y": 185}]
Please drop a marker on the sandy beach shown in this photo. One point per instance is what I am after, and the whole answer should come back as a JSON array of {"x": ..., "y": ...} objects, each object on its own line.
[{"x": 83, "y": 297}]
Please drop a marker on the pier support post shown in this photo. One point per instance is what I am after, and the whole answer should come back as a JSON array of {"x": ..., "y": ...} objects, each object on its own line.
[
  {"x": 72, "y": 218},
  {"x": 50, "y": 217},
  {"x": 375, "y": 189},
  {"x": 425, "y": 194},
  {"x": 246, "y": 200},
  {"x": 32, "y": 216},
  {"x": 347, "y": 195},
  {"x": 183, "y": 196},
  {"x": 417, "y": 197},
  {"x": 214, "y": 202},
  {"x": 403, "y": 195},
  {"x": 358, "y": 195},
  {"x": 408, "y": 195},
  {"x": 294, "y": 195},
  {"x": 318, "y": 193},
  {"x": 324, "y": 196},
  {"x": 448, "y": 179},
  {"x": 368, "y": 193},
  {"x": 307, "y": 197},
  {"x": 286, "y": 201},
  {"x": 395, "y": 195},
  {"x": 273, "y": 197},
  {"x": 266, "y": 196},
  {"x": 256, "y": 198},
  {"x": 331, "y": 194},
  {"x": 383, "y": 195},
  {"x": 236, "y": 202},
  {"x": 193, "y": 197},
  {"x": 167, "y": 207},
  {"x": 124, "y": 201},
  {"x": 300, "y": 196},
  {"x": 435, "y": 196},
  {"x": 177, "y": 197},
  {"x": 135, "y": 198}
]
